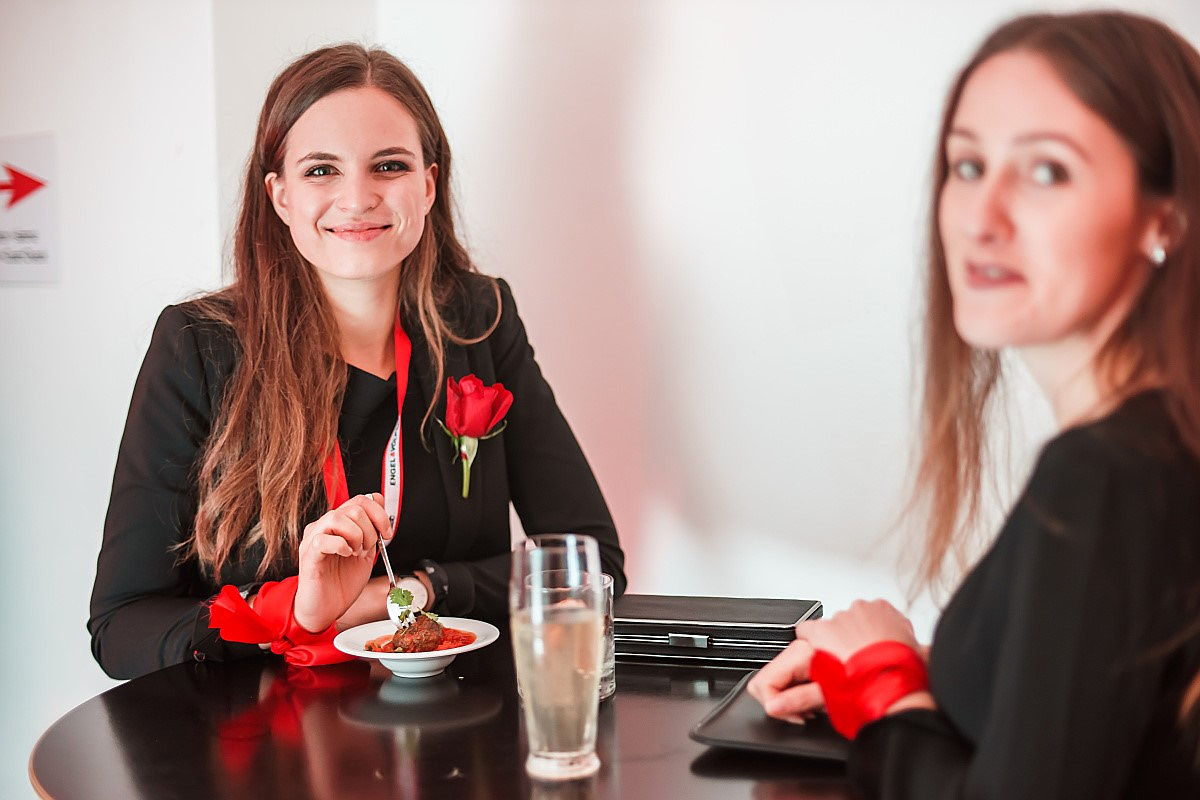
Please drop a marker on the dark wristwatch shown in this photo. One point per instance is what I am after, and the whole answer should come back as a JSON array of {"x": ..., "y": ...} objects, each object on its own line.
[{"x": 438, "y": 579}]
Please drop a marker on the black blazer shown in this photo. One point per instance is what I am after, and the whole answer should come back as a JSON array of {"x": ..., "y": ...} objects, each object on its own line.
[
  {"x": 1060, "y": 665},
  {"x": 148, "y": 607}
]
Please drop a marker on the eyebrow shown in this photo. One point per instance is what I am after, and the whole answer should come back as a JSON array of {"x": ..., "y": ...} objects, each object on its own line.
[
  {"x": 1029, "y": 138},
  {"x": 387, "y": 151}
]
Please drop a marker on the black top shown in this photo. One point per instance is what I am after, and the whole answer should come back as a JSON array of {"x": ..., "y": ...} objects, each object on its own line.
[
  {"x": 148, "y": 608},
  {"x": 1060, "y": 664}
]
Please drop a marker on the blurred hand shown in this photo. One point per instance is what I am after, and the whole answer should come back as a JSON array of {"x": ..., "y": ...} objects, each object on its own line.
[
  {"x": 782, "y": 686},
  {"x": 865, "y": 622},
  {"x": 337, "y": 553}
]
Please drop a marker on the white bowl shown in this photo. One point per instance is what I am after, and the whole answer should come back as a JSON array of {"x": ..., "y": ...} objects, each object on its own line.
[{"x": 413, "y": 665}]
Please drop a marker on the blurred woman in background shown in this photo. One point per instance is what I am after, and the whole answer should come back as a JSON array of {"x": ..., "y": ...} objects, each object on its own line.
[{"x": 1065, "y": 225}]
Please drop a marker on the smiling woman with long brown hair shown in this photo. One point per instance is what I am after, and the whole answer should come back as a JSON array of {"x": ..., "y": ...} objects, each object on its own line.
[
  {"x": 1065, "y": 225},
  {"x": 283, "y": 427}
]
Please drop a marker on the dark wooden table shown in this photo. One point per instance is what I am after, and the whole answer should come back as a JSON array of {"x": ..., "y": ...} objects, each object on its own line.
[{"x": 254, "y": 729}]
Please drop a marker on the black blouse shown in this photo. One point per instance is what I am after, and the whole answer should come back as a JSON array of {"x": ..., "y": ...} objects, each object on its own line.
[
  {"x": 148, "y": 606},
  {"x": 1059, "y": 665}
]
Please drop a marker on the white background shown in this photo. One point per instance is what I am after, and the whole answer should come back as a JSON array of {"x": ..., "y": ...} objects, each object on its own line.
[{"x": 711, "y": 213}]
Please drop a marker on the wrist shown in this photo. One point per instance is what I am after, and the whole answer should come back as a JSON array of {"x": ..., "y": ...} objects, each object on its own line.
[
  {"x": 424, "y": 579},
  {"x": 436, "y": 578},
  {"x": 307, "y": 622},
  {"x": 910, "y": 701},
  {"x": 869, "y": 684}
]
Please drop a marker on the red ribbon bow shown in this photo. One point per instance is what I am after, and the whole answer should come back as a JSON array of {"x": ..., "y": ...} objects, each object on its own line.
[
  {"x": 866, "y": 686},
  {"x": 271, "y": 621}
]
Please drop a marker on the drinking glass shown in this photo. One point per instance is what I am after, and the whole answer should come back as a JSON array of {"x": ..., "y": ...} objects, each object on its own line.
[
  {"x": 556, "y": 600},
  {"x": 608, "y": 664}
]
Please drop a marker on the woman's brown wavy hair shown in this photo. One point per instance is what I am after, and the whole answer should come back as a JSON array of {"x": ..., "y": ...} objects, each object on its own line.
[
  {"x": 261, "y": 465},
  {"x": 1143, "y": 79}
]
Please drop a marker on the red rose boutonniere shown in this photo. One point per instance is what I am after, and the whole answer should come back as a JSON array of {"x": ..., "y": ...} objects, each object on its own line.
[{"x": 472, "y": 413}]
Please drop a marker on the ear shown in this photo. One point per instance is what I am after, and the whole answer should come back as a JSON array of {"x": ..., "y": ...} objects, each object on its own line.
[
  {"x": 430, "y": 186},
  {"x": 278, "y": 194},
  {"x": 1164, "y": 227}
]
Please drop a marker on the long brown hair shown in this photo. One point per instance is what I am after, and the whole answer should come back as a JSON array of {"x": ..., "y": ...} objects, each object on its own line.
[
  {"x": 261, "y": 464},
  {"x": 1143, "y": 79}
]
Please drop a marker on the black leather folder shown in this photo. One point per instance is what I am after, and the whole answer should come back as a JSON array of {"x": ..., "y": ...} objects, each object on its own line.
[
  {"x": 740, "y": 723},
  {"x": 741, "y": 632}
]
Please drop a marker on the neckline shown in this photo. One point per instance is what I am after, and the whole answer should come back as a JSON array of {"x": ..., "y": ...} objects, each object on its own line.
[{"x": 391, "y": 378}]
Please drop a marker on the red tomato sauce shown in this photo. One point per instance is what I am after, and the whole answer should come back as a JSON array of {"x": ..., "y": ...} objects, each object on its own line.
[{"x": 453, "y": 637}]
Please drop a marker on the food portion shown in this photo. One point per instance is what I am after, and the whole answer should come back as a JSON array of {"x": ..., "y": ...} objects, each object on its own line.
[
  {"x": 417, "y": 631},
  {"x": 423, "y": 636}
]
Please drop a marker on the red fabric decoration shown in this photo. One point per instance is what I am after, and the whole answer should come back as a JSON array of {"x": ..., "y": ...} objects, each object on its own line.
[
  {"x": 866, "y": 686},
  {"x": 271, "y": 621}
]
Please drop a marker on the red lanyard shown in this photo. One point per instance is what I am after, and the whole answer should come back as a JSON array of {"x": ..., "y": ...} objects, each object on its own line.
[{"x": 392, "y": 479}]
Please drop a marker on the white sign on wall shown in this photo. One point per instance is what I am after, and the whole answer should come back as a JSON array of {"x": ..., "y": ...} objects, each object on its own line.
[{"x": 27, "y": 230}]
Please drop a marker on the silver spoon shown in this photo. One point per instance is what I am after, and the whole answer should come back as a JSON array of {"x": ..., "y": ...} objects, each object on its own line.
[{"x": 387, "y": 564}]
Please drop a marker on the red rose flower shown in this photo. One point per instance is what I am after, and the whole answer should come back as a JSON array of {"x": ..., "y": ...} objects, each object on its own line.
[
  {"x": 473, "y": 409},
  {"x": 472, "y": 413}
]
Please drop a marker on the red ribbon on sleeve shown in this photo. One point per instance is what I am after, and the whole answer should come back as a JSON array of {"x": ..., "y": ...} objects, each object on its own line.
[
  {"x": 865, "y": 687},
  {"x": 271, "y": 620}
]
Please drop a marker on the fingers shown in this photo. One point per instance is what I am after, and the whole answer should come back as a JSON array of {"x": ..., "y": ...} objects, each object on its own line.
[
  {"x": 785, "y": 671},
  {"x": 863, "y": 623},
  {"x": 787, "y": 668},
  {"x": 330, "y": 545},
  {"x": 796, "y": 703},
  {"x": 352, "y": 529},
  {"x": 379, "y": 516},
  {"x": 368, "y": 511}
]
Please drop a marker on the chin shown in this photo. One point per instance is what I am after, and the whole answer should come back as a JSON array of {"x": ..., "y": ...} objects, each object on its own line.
[
  {"x": 984, "y": 334},
  {"x": 360, "y": 271}
]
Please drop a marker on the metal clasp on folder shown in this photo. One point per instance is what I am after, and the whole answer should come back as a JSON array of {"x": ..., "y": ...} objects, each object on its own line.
[{"x": 686, "y": 640}]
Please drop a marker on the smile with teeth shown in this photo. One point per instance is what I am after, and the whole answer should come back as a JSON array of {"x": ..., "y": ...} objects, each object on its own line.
[
  {"x": 358, "y": 232},
  {"x": 989, "y": 275}
]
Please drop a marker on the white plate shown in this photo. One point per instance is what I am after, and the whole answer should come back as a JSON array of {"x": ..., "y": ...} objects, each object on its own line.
[{"x": 413, "y": 665}]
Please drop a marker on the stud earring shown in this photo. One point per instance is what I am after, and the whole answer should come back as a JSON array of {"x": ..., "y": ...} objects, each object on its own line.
[{"x": 1158, "y": 255}]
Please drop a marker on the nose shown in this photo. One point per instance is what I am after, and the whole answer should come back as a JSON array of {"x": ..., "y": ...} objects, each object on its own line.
[
  {"x": 987, "y": 212},
  {"x": 358, "y": 195}
]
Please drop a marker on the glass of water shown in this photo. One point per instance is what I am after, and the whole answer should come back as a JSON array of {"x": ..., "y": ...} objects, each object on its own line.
[
  {"x": 608, "y": 664},
  {"x": 556, "y": 600}
]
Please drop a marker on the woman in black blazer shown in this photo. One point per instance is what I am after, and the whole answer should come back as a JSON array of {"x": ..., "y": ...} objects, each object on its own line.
[
  {"x": 1065, "y": 225},
  {"x": 349, "y": 277}
]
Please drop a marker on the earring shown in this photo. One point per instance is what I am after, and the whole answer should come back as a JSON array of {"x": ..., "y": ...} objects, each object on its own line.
[{"x": 1158, "y": 255}]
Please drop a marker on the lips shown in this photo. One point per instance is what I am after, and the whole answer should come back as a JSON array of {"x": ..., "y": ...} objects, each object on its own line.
[
  {"x": 989, "y": 275},
  {"x": 358, "y": 231}
]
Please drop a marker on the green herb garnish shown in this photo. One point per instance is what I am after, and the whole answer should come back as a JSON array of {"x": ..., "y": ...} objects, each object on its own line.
[{"x": 401, "y": 597}]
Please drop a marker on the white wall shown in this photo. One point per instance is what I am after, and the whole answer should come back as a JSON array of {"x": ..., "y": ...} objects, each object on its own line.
[
  {"x": 712, "y": 214},
  {"x": 131, "y": 90},
  {"x": 127, "y": 89},
  {"x": 709, "y": 210}
]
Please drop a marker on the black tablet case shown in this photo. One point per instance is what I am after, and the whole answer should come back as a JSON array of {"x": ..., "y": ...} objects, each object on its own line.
[
  {"x": 740, "y": 723},
  {"x": 742, "y": 632}
]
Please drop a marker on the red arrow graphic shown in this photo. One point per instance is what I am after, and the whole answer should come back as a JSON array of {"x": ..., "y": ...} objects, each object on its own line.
[{"x": 19, "y": 184}]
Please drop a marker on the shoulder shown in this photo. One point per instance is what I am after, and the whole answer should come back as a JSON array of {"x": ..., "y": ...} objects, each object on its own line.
[
  {"x": 196, "y": 333},
  {"x": 1124, "y": 488},
  {"x": 479, "y": 303},
  {"x": 1135, "y": 446}
]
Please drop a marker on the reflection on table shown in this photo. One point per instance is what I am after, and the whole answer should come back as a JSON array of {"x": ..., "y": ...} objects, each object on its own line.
[{"x": 256, "y": 729}]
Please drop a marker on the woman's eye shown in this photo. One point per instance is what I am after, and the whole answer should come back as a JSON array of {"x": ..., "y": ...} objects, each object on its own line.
[
  {"x": 392, "y": 166},
  {"x": 967, "y": 169},
  {"x": 319, "y": 171},
  {"x": 1048, "y": 173}
]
